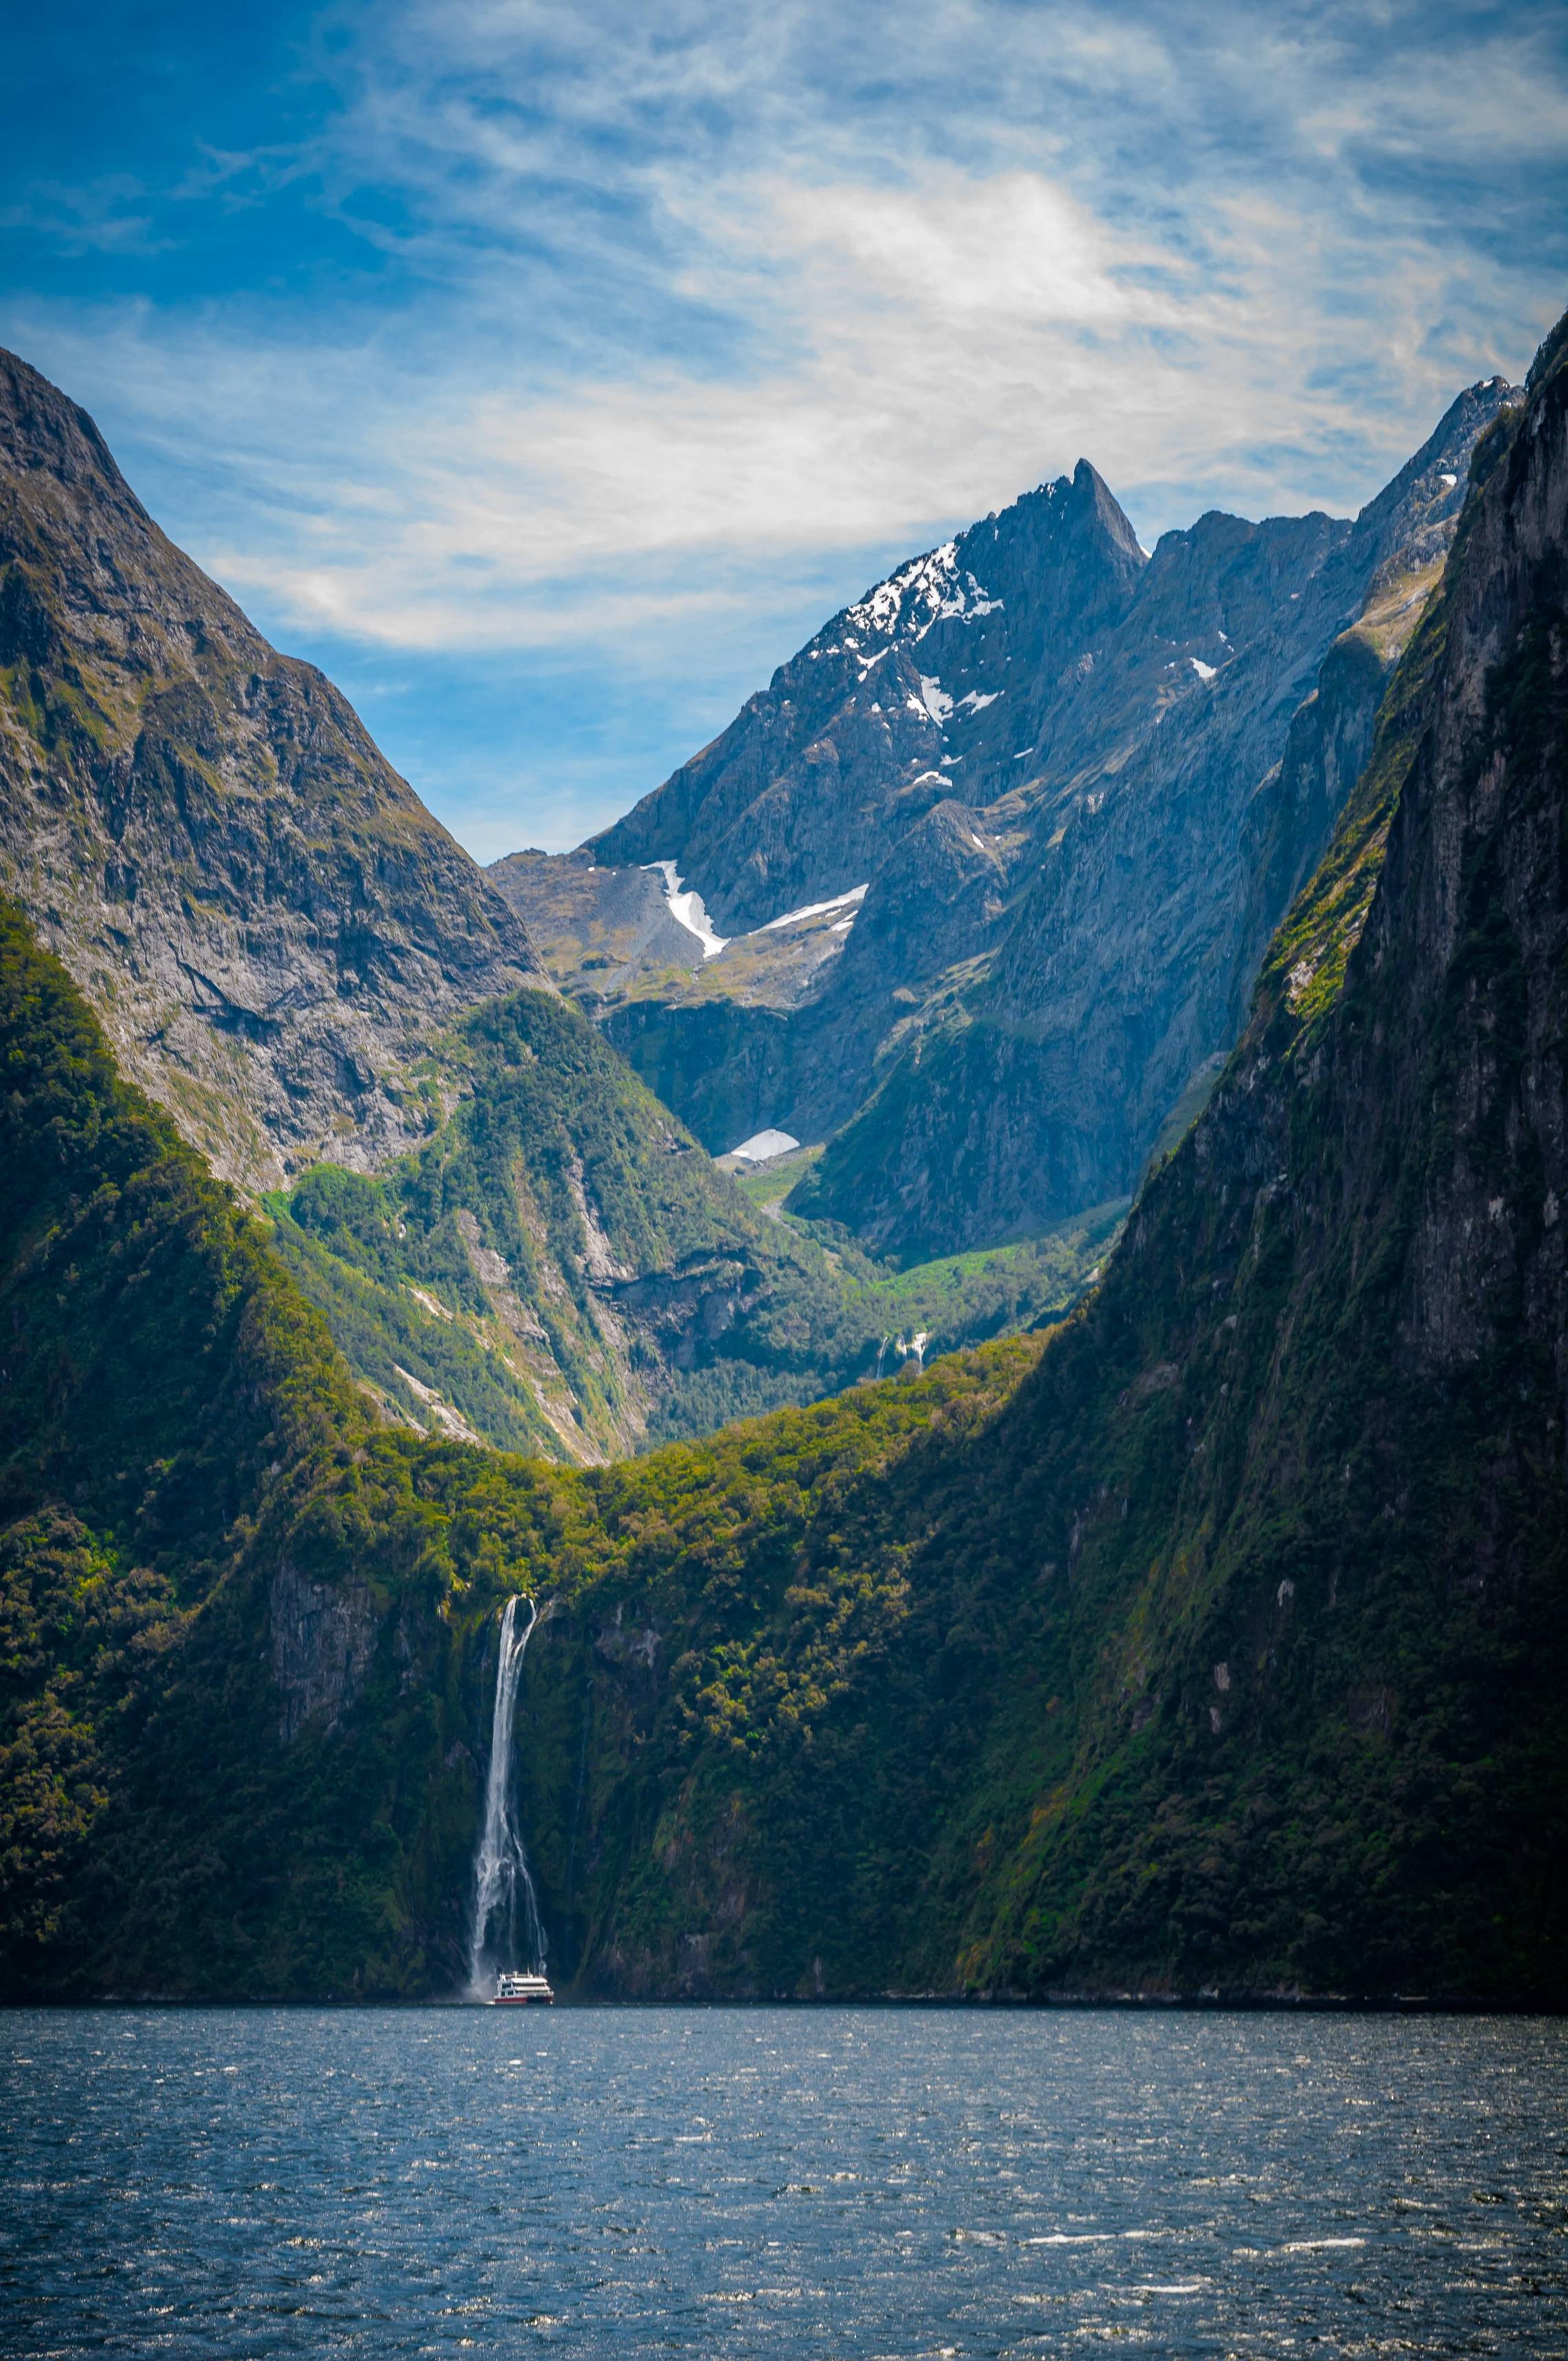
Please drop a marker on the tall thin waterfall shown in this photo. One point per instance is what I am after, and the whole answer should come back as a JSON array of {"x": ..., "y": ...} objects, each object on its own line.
[{"x": 503, "y": 1890}]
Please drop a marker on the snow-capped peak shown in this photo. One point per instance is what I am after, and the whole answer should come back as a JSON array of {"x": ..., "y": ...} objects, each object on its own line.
[{"x": 929, "y": 590}]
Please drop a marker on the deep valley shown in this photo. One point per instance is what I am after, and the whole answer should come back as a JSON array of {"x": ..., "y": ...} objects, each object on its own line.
[{"x": 1087, "y": 1515}]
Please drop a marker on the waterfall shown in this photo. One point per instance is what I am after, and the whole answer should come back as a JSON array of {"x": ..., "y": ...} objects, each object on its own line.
[
  {"x": 908, "y": 1348},
  {"x": 502, "y": 1880}
]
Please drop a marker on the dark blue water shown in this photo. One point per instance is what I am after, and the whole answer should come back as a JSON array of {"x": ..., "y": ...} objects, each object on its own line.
[{"x": 820, "y": 2182}]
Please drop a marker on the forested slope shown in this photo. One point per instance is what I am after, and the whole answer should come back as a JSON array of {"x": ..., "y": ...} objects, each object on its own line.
[
  {"x": 248, "y": 1629},
  {"x": 561, "y": 1268}
]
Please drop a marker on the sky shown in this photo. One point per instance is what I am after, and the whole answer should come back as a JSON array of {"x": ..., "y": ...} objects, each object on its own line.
[{"x": 548, "y": 370}]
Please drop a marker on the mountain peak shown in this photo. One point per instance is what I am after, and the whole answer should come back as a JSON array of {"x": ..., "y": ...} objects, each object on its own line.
[
  {"x": 265, "y": 916},
  {"x": 854, "y": 735},
  {"x": 43, "y": 431}
]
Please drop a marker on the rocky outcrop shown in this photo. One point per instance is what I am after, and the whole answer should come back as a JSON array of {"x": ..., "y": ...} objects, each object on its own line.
[
  {"x": 595, "y": 925},
  {"x": 323, "y": 1641},
  {"x": 265, "y": 919}
]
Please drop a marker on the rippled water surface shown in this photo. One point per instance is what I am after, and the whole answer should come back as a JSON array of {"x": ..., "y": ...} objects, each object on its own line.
[{"x": 769, "y": 2181}]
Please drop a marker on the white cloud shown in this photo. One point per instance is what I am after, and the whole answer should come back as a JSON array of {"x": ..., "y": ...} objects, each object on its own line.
[{"x": 682, "y": 302}]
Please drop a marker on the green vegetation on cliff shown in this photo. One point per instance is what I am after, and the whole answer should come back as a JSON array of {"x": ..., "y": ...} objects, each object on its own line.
[
  {"x": 244, "y": 1680},
  {"x": 561, "y": 1268}
]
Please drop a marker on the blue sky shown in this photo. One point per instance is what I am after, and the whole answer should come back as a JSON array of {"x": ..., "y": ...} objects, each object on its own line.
[{"x": 548, "y": 372}]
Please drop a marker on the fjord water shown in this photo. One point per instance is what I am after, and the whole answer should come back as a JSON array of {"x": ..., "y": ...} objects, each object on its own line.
[{"x": 774, "y": 2182}]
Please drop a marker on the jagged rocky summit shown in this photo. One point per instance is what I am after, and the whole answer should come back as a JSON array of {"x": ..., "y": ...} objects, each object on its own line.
[{"x": 997, "y": 854}]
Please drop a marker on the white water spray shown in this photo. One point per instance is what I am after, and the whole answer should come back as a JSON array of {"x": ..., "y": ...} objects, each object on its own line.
[{"x": 503, "y": 1890}]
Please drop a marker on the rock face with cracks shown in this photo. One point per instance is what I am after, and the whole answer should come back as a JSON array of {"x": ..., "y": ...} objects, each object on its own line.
[{"x": 267, "y": 921}]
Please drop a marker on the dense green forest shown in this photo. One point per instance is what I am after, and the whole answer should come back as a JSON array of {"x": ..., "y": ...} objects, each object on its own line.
[{"x": 1213, "y": 1642}]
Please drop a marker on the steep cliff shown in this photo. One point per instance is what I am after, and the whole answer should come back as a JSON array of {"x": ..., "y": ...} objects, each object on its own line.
[
  {"x": 1228, "y": 1651},
  {"x": 1160, "y": 865},
  {"x": 265, "y": 919}
]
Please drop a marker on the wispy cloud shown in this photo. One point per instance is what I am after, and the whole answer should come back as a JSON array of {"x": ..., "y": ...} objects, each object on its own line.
[{"x": 666, "y": 314}]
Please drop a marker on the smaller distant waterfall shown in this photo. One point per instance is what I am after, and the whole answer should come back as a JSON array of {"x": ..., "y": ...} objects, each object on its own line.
[
  {"x": 908, "y": 1348},
  {"x": 504, "y": 1889}
]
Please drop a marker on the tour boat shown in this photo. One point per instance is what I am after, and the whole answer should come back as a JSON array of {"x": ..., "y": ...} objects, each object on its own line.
[{"x": 516, "y": 1991}]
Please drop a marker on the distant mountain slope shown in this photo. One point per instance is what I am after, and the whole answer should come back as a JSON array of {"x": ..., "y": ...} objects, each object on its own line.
[
  {"x": 856, "y": 734},
  {"x": 561, "y": 1269},
  {"x": 265, "y": 916},
  {"x": 1163, "y": 866},
  {"x": 1077, "y": 789}
]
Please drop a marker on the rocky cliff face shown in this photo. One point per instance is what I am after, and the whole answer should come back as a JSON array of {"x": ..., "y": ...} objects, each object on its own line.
[
  {"x": 1227, "y": 1654},
  {"x": 854, "y": 736},
  {"x": 1158, "y": 868},
  {"x": 1308, "y": 1448},
  {"x": 1079, "y": 788},
  {"x": 266, "y": 917}
]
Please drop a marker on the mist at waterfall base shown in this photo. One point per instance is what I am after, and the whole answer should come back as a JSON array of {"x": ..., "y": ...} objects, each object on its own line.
[
  {"x": 504, "y": 1929},
  {"x": 762, "y": 2182}
]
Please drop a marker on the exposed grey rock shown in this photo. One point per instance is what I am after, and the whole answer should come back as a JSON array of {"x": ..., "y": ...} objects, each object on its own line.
[
  {"x": 267, "y": 920},
  {"x": 795, "y": 800},
  {"x": 323, "y": 1640},
  {"x": 1163, "y": 866}
]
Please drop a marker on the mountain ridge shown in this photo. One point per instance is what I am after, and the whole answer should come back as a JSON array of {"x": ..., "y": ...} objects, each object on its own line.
[
  {"x": 1126, "y": 836},
  {"x": 263, "y": 913},
  {"x": 749, "y": 863}
]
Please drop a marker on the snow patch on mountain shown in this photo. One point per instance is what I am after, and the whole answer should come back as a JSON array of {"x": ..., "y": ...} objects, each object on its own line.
[
  {"x": 763, "y": 1145},
  {"x": 928, "y": 590},
  {"x": 815, "y": 910},
  {"x": 687, "y": 910}
]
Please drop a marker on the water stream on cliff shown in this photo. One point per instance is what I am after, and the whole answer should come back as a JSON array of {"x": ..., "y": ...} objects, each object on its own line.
[{"x": 501, "y": 1879}]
